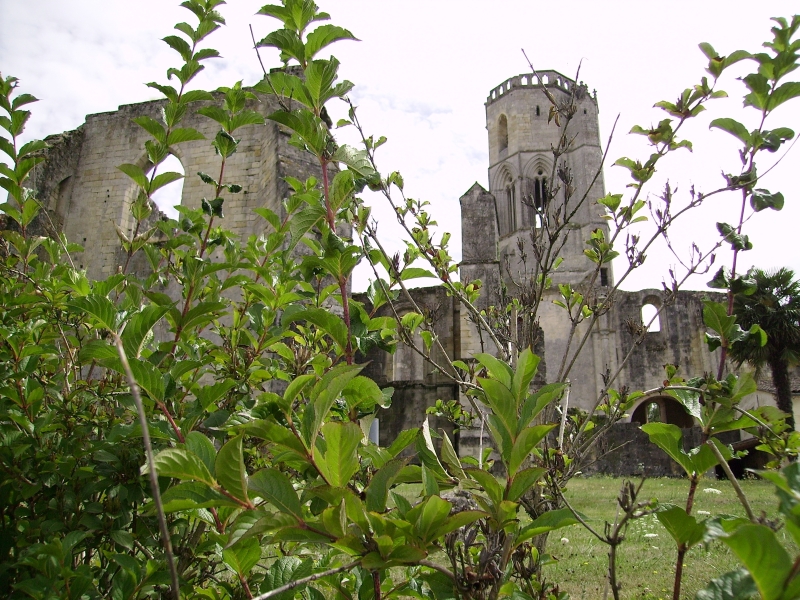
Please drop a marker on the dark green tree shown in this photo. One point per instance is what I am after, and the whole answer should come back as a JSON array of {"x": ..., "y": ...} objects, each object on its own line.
[{"x": 775, "y": 306}]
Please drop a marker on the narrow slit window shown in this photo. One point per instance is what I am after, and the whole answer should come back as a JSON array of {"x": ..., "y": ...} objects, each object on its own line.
[
  {"x": 502, "y": 133},
  {"x": 511, "y": 203}
]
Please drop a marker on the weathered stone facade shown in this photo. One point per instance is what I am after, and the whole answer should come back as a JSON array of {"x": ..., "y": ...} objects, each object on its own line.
[{"x": 86, "y": 196}]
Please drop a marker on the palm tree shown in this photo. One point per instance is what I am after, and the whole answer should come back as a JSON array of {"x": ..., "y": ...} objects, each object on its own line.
[{"x": 775, "y": 306}]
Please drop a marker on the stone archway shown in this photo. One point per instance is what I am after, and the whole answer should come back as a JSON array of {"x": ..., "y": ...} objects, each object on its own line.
[{"x": 662, "y": 409}]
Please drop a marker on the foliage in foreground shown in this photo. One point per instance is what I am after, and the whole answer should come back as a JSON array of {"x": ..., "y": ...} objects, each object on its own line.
[{"x": 241, "y": 396}]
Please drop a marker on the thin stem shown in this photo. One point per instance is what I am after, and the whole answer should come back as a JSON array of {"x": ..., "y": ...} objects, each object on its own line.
[
  {"x": 683, "y": 548},
  {"x": 151, "y": 467},
  {"x": 443, "y": 570},
  {"x": 258, "y": 54},
  {"x": 732, "y": 478},
  {"x": 304, "y": 580}
]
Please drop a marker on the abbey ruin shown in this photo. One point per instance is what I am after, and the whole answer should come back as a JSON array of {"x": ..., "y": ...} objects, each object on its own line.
[{"x": 87, "y": 196}]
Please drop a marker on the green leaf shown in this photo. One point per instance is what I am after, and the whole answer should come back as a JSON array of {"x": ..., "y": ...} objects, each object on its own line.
[
  {"x": 404, "y": 439},
  {"x": 356, "y": 160},
  {"x": 335, "y": 519},
  {"x": 450, "y": 458},
  {"x": 783, "y": 93},
  {"x": 152, "y": 127},
  {"x": 28, "y": 148},
  {"x": 149, "y": 378},
  {"x": 242, "y": 556},
  {"x": 324, "y": 394},
  {"x": 287, "y": 41},
  {"x": 459, "y": 520},
  {"x": 715, "y": 316},
  {"x": 762, "y": 199},
  {"x": 496, "y": 368},
  {"x": 296, "y": 387},
  {"x": 340, "y": 460},
  {"x": 330, "y": 323},
  {"x": 414, "y": 273},
  {"x": 274, "y": 487},
  {"x": 549, "y": 521},
  {"x": 759, "y": 91},
  {"x": 136, "y": 174},
  {"x": 181, "y": 464},
  {"x": 523, "y": 481},
  {"x": 302, "y": 222},
  {"x": 536, "y": 402},
  {"x": 209, "y": 395},
  {"x": 180, "y": 45},
  {"x": 285, "y": 570},
  {"x": 489, "y": 484},
  {"x": 191, "y": 495},
  {"x": 245, "y": 117},
  {"x": 323, "y": 36},
  {"x": 310, "y": 129},
  {"x": 527, "y": 364},
  {"x": 138, "y": 328},
  {"x": 499, "y": 398},
  {"x": 99, "y": 307},
  {"x": 277, "y": 434},
  {"x": 431, "y": 515},
  {"x": 669, "y": 438},
  {"x": 764, "y": 556},
  {"x": 377, "y": 491},
  {"x": 734, "y": 585},
  {"x": 526, "y": 441},
  {"x": 183, "y": 134},
  {"x": 229, "y": 469},
  {"x": 427, "y": 452},
  {"x": 200, "y": 445},
  {"x": 733, "y": 127},
  {"x": 683, "y": 528}
]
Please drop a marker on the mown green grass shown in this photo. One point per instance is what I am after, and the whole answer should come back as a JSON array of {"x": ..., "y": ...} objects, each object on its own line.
[{"x": 647, "y": 557}]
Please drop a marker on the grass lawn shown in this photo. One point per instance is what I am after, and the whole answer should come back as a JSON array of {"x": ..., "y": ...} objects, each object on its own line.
[{"x": 647, "y": 557}]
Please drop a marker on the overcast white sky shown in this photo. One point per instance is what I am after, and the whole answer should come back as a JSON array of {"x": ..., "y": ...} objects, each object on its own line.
[{"x": 422, "y": 72}]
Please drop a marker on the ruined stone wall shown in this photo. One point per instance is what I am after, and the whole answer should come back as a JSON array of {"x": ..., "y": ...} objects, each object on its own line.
[
  {"x": 679, "y": 341},
  {"x": 87, "y": 195},
  {"x": 416, "y": 384}
]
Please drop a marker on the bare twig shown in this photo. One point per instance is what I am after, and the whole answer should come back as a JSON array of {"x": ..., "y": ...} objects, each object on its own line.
[{"x": 255, "y": 47}]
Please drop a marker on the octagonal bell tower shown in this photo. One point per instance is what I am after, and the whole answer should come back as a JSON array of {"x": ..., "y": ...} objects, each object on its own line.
[{"x": 521, "y": 143}]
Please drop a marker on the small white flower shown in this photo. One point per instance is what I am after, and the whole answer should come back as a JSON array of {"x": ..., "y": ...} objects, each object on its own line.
[
  {"x": 712, "y": 491},
  {"x": 651, "y": 535},
  {"x": 703, "y": 512},
  {"x": 565, "y": 540}
]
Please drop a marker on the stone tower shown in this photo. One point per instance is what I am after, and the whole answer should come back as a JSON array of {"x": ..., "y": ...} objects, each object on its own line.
[
  {"x": 501, "y": 221},
  {"x": 521, "y": 142}
]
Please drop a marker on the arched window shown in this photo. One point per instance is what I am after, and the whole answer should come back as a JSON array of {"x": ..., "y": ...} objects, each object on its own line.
[
  {"x": 662, "y": 410},
  {"x": 502, "y": 133},
  {"x": 539, "y": 198},
  {"x": 650, "y": 318},
  {"x": 64, "y": 197},
  {"x": 167, "y": 197},
  {"x": 511, "y": 204}
]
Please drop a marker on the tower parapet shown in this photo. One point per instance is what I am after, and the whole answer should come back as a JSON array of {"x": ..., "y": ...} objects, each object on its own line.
[{"x": 550, "y": 78}]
